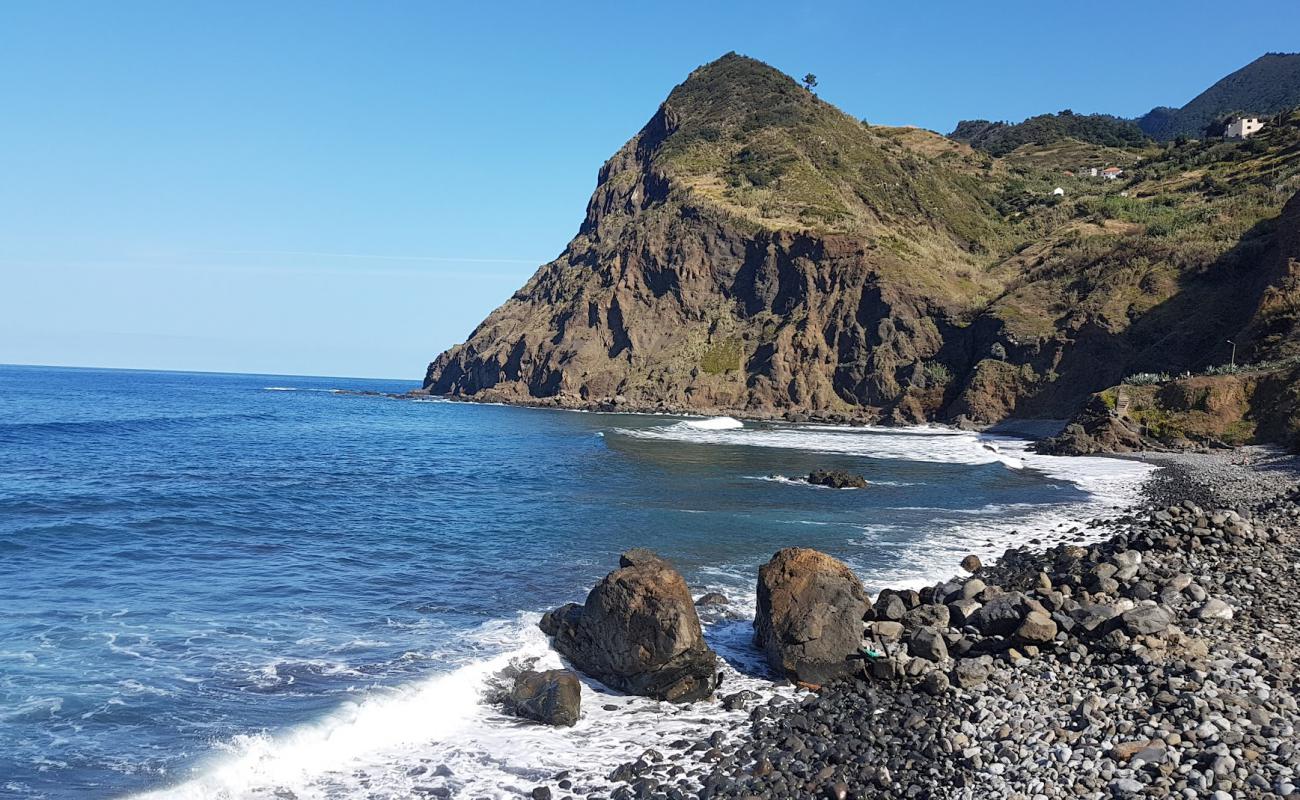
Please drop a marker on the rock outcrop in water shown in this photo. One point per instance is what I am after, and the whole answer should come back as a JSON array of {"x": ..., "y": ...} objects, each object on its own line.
[
  {"x": 754, "y": 250},
  {"x": 638, "y": 632},
  {"x": 810, "y": 611},
  {"x": 836, "y": 479}
]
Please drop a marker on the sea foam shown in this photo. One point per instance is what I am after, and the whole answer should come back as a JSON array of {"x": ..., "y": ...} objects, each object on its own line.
[
  {"x": 388, "y": 742},
  {"x": 714, "y": 424}
]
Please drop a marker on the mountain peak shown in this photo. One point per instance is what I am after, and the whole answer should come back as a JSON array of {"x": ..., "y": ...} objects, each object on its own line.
[{"x": 739, "y": 90}]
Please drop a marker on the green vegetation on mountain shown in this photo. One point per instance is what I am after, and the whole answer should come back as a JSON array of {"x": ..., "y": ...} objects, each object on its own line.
[
  {"x": 1000, "y": 138},
  {"x": 752, "y": 141},
  {"x": 1268, "y": 85},
  {"x": 755, "y": 250}
]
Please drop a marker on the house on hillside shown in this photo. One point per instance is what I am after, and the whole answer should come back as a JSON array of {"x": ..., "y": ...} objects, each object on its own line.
[
  {"x": 1111, "y": 173},
  {"x": 1242, "y": 128}
]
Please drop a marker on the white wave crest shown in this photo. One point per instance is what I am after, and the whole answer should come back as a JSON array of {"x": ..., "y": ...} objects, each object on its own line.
[
  {"x": 931, "y": 444},
  {"x": 714, "y": 424}
]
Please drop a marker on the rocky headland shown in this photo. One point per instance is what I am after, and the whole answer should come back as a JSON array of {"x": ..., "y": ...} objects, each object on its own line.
[
  {"x": 1154, "y": 658},
  {"x": 754, "y": 251}
]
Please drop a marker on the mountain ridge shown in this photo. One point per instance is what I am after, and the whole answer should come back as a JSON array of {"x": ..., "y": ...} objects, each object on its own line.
[{"x": 1268, "y": 85}]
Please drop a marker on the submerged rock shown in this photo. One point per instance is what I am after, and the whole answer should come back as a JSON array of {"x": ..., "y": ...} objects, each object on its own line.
[
  {"x": 553, "y": 697},
  {"x": 810, "y": 610},
  {"x": 836, "y": 479},
  {"x": 638, "y": 632}
]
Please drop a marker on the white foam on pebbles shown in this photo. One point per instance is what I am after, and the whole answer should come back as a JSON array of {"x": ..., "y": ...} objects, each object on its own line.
[{"x": 1111, "y": 484}]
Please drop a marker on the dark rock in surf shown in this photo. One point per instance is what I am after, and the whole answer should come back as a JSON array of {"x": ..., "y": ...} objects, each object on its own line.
[
  {"x": 638, "y": 632},
  {"x": 810, "y": 611},
  {"x": 836, "y": 479},
  {"x": 553, "y": 697}
]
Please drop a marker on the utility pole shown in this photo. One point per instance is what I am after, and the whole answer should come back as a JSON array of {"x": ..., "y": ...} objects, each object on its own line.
[{"x": 1233, "y": 362}]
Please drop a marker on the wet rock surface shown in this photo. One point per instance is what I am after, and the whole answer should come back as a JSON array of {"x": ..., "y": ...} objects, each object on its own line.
[
  {"x": 810, "y": 612},
  {"x": 638, "y": 632},
  {"x": 553, "y": 697},
  {"x": 836, "y": 479}
]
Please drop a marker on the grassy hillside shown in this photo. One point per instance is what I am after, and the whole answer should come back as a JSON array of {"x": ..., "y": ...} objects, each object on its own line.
[
  {"x": 752, "y": 140},
  {"x": 1152, "y": 273}
]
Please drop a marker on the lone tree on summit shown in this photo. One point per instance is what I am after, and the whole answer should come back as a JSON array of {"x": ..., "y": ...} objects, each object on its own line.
[{"x": 810, "y": 81}]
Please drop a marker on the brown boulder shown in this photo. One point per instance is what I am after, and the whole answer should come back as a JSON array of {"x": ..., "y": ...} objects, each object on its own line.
[
  {"x": 810, "y": 610},
  {"x": 638, "y": 632},
  {"x": 1036, "y": 628}
]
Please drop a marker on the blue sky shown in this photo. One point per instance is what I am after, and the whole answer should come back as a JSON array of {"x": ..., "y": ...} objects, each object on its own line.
[{"x": 348, "y": 188}]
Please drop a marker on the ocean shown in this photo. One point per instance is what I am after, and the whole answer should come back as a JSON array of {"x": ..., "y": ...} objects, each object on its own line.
[{"x": 228, "y": 586}]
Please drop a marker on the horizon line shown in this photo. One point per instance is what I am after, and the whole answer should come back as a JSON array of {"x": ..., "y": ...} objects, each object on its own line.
[
  {"x": 378, "y": 257},
  {"x": 6, "y": 364}
]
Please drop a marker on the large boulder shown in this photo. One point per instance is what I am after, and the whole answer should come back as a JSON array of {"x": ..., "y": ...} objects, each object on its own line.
[
  {"x": 928, "y": 615},
  {"x": 928, "y": 643},
  {"x": 1146, "y": 620},
  {"x": 1002, "y": 614},
  {"x": 553, "y": 697},
  {"x": 1038, "y": 627},
  {"x": 638, "y": 632},
  {"x": 810, "y": 610}
]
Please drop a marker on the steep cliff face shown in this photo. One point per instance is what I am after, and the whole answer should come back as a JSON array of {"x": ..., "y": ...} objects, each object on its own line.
[
  {"x": 754, "y": 250},
  {"x": 750, "y": 249}
]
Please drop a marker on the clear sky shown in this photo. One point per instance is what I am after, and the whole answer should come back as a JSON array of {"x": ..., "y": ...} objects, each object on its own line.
[{"x": 348, "y": 188}]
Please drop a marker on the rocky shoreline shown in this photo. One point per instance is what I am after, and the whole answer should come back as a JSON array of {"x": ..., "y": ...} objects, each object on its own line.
[
  {"x": 622, "y": 405},
  {"x": 1160, "y": 662}
]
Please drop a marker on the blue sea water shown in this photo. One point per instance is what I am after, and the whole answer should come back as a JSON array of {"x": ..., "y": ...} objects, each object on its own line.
[{"x": 249, "y": 586}]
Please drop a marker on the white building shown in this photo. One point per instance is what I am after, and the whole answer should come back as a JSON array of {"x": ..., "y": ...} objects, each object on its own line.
[
  {"x": 1059, "y": 192},
  {"x": 1111, "y": 173},
  {"x": 1243, "y": 128}
]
